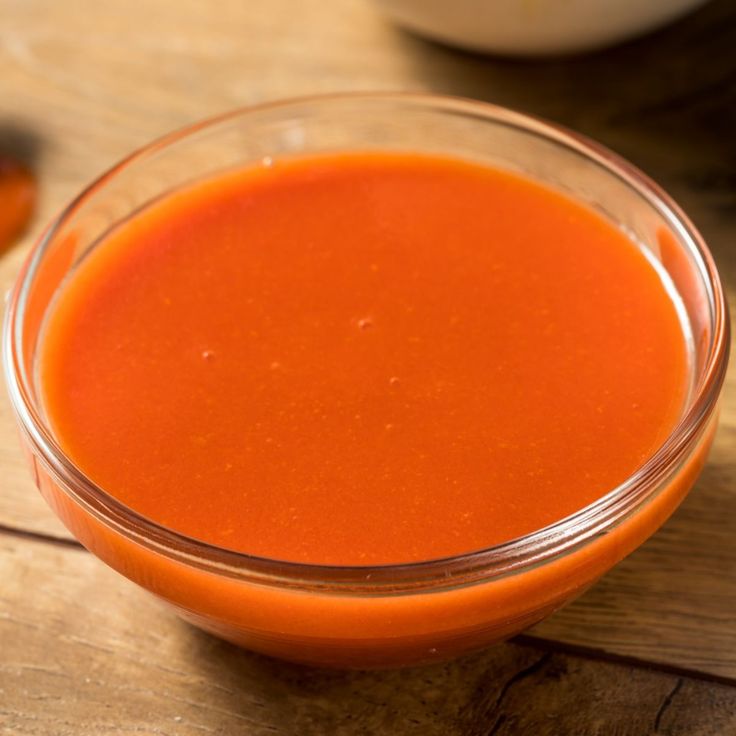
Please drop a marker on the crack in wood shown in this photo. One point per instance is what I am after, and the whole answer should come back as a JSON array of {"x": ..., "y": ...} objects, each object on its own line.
[
  {"x": 666, "y": 703},
  {"x": 485, "y": 712},
  {"x": 518, "y": 677},
  {"x": 497, "y": 725}
]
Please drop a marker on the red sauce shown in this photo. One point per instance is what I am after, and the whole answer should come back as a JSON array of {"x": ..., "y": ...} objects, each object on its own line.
[
  {"x": 362, "y": 359},
  {"x": 17, "y": 199}
]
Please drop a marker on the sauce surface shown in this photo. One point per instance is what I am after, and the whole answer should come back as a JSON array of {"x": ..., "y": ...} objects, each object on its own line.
[{"x": 362, "y": 359}]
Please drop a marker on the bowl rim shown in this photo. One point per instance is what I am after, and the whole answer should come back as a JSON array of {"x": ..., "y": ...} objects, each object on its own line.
[{"x": 507, "y": 558}]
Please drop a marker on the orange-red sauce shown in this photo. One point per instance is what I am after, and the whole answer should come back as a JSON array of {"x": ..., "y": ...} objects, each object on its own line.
[
  {"x": 17, "y": 199},
  {"x": 362, "y": 359}
]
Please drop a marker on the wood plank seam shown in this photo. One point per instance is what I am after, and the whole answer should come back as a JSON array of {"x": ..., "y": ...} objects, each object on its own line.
[
  {"x": 594, "y": 653},
  {"x": 40, "y": 537}
]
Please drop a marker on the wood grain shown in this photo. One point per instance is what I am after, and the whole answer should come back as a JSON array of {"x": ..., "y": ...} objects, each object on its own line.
[
  {"x": 121, "y": 663},
  {"x": 84, "y": 83}
]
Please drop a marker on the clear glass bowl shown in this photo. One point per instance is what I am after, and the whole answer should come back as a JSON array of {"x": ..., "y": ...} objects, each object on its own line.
[{"x": 398, "y": 614}]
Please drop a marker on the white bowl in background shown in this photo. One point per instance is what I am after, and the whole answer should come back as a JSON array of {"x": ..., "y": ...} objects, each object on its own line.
[{"x": 534, "y": 27}]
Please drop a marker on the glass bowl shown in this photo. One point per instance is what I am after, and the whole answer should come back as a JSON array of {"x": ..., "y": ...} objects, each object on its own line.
[{"x": 396, "y": 614}]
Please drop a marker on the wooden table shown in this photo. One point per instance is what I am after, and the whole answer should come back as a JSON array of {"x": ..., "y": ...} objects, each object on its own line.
[{"x": 651, "y": 649}]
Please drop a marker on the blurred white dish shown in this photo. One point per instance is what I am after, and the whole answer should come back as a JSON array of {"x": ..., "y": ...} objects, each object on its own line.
[{"x": 534, "y": 27}]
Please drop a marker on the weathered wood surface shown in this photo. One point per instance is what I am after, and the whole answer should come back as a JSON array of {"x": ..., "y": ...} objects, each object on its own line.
[
  {"x": 83, "y": 83},
  {"x": 84, "y": 652}
]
